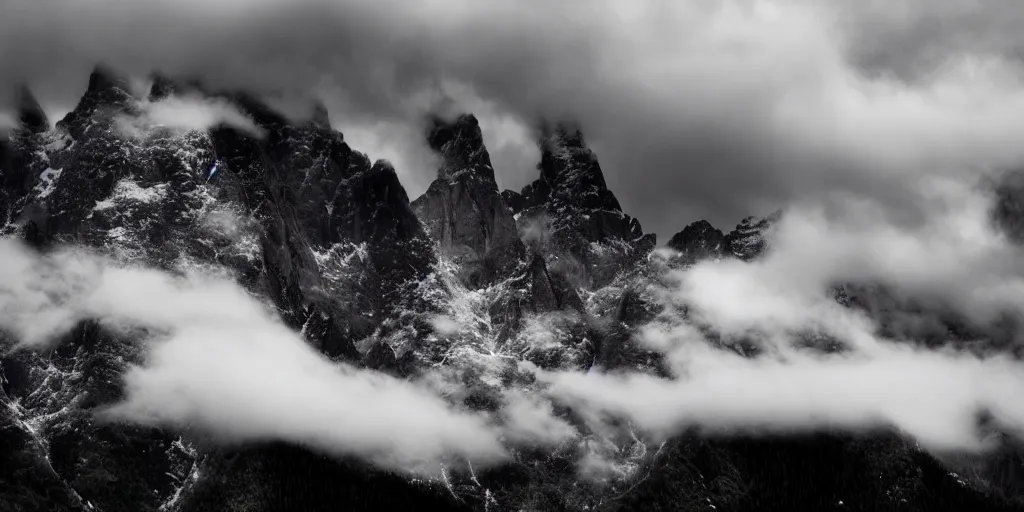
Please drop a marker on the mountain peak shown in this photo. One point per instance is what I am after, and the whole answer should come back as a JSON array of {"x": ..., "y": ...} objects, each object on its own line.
[
  {"x": 462, "y": 208},
  {"x": 383, "y": 166},
  {"x": 442, "y": 131},
  {"x": 104, "y": 77},
  {"x": 460, "y": 143},
  {"x": 701, "y": 240},
  {"x": 698, "y": 241},
  {"x": 566, "y": 134},
  {"x": 570, "y": 171},
  {"x": 108, "y": 91},
  {"x": 30, "y": 113},
  {"x": 586, "y": 220}
]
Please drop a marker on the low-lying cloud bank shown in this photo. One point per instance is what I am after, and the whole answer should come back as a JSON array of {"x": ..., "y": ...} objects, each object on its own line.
[
  {"x": 937, "y": 399},
  {"x": 821, "y": 365},
  {"x": 220, "y": 362}
]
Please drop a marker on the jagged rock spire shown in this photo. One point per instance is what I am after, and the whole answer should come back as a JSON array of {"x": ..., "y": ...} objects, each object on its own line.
[
  {"x": 460, "y": 143},
  {"x": 104, "y": 78},
  {"x": 747, "y": 241},
  {"x": 164, "y": 86},
  {"x": 571, "y": 200},
  {"x": 462, "y": 208},
  {"x": 30, "y": 114},
  {"x": 698, "y": 241},
  {"x": 108, "y": 91}
]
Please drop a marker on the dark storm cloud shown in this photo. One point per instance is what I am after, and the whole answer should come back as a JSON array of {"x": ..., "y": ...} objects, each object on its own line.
[{"x": 696, "y": 109}]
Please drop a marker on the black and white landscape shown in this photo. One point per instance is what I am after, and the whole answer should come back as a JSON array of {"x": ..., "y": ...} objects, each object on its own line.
[{"x": 321, "y": 255}]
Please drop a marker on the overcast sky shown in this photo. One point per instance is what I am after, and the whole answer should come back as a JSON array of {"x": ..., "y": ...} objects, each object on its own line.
[{"x": 700, "y": 109}]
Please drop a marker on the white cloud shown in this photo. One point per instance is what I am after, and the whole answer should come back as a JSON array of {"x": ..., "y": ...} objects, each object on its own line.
[
  {"x": 530, "y": 420},
  {"x": 220, "y": 362},
  {"x": 933, "y": 397},
  {"x": 446, "y": 325}
]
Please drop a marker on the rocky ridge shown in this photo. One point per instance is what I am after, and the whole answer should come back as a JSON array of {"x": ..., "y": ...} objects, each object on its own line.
[{"x": 557, "y": 275}]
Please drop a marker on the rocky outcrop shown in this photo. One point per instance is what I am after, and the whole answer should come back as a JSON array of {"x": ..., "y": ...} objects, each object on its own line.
[
  {"x": 748, "y": 240},
  {"x": 463, "y": 210},
  {"x": 570, "y": 212},
  {"x": 701, "y": 241},
  {"x": 108, "y": 94},
  {"x": 372, "y": 209},
  {"x": 21, "y": 160}
]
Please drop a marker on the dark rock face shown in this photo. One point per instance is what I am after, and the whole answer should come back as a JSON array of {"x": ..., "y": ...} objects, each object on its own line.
[
  {"x": 463, "y": 210},
  {"x": 108, "y": 94},
  {"x": 701, "y": 240},
  {"x": 550, "y": 291},
  {"x": 835, "y": 473},
  {"x": 570, "y": 211},
  {"x": 1008, "y": 211},
  {"x": 372, "y": 210},
  {"x": 513, "y": 200},
  {"x": 747, "y": 241}
]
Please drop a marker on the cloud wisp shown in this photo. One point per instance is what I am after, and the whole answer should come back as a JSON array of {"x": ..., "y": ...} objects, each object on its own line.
[
  {"x": 189, "y": 112},
  {"x": 934, "y": 398}
]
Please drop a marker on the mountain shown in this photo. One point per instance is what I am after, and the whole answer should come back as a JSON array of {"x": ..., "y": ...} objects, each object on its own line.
[
  {"x": 463, "y": 210},
  {"x": 700, "y": 240},
  {"x": 464, "y": 279},
  {"x": 571, "y": 217}
]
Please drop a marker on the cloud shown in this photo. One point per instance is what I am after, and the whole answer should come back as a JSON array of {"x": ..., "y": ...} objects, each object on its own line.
[
  {"x": 953, "y": 258},
  {"x": 446, "y": 325},
  {"x": 7, "y": 122},
  {"x": 186, "y": 113},
  {"x": 935, "y": 398},
  {"x": 697, "y": 109},
  {"x": 530, "y": 420},
  {"x": 220, "y": 362}
]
